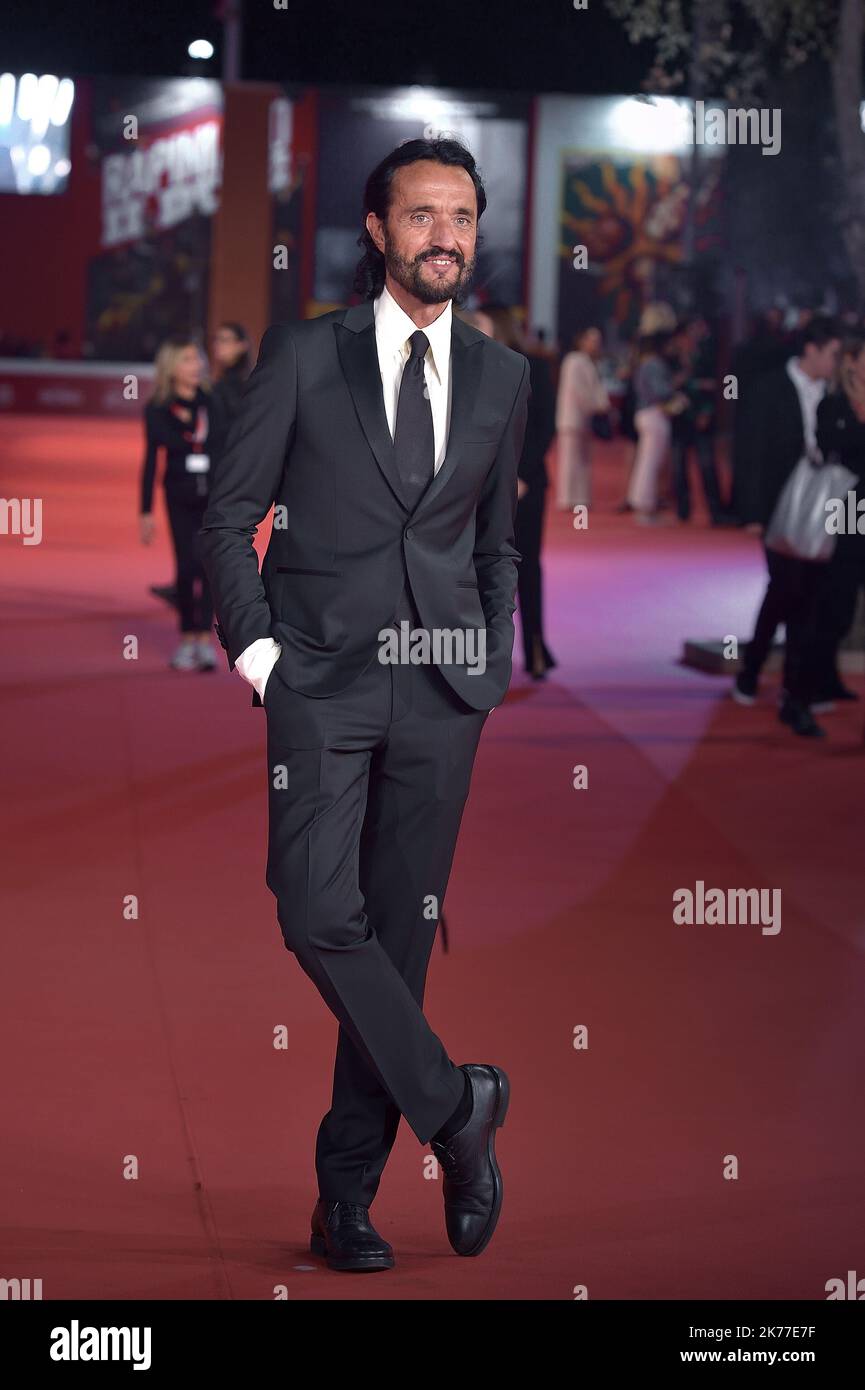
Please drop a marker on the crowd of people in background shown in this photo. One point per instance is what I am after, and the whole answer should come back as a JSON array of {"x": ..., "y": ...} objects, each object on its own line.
[
  {"x": 796, "y": 412},
  {"x": 668, "y": 386},
  {"x": 799, "y": 447},
  {"x": 799, "y": 398},
  {"x": 668, "y": 410}
]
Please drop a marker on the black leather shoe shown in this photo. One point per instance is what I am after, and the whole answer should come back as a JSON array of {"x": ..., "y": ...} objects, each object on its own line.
[
  {"x": 800, "y": 719},
  {"x": 472, "y": 1182},
  {"x": 343, "y": 1234},
  {"x": 840, "y": 691}
]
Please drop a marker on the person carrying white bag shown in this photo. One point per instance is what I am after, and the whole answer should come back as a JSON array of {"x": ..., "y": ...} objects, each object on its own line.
[{"x": 792, "y": 483}]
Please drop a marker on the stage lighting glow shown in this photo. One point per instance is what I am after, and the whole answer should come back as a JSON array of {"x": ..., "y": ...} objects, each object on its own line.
[
  {"x": 28, "y": 86},
  {"x": 35, "y": 114},
  {"x": 63, "y": 101},
  {"x": 7, "y": 98},
  {"x": 421, "y": 104},
  {"x": 200, "y": 48},
  {"x": 658, "y": 125},
  {"x": 46, "y": 91},
  {"x": 38, "y": 160}
]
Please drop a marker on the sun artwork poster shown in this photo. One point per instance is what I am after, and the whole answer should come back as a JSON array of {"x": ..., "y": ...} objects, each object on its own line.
[{"x": 622, "y": 232}]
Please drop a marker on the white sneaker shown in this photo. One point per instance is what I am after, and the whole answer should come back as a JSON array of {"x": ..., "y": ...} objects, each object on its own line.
[
  {"x": 744, "y": 689},
  {"x": 206, "y": 657},
  {"x": 185, "y": 658}
]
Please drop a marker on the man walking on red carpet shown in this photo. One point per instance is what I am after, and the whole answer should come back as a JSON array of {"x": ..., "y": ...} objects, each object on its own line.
[{"x": 387, "y": 436}]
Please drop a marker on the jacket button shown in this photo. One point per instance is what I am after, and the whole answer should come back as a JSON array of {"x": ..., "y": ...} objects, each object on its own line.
[{"x": 409, "y": 532}]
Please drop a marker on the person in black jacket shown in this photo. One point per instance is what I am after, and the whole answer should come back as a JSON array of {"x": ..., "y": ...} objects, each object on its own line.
[
  {"x": 532, "y": 484},
  {"x": 764, "y": 350},
  {"x": 841, "y": 438},
  {"x": 783, "y": 430},
  {"x": 231, "y": 363},
  {"x": 696, "y": 426},
  {"x": 178, "y": 421}
]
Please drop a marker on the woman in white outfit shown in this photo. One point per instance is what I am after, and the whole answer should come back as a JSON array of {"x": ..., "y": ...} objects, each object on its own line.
[
  {"x": 581, "y": 394},
  {"x": 656, "y": 401}
]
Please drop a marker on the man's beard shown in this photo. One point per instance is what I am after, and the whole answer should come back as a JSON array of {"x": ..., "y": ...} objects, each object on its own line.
[{"x": 408, "y": 274}]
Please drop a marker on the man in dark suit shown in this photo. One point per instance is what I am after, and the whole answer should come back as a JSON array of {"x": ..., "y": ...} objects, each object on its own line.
[
  {"x": 782, "y": 429},
  {"x": 387, "y": 435}
]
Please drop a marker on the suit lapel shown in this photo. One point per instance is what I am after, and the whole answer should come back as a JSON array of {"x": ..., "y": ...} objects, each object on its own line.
[
  {"x": 355, "y": 337},
  {"x": 355, "y": 341}
]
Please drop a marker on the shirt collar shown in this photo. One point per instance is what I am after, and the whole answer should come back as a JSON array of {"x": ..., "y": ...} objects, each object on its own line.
[
  {"x": 394, "y": 328},
  {"x": 803, "y": 380}
]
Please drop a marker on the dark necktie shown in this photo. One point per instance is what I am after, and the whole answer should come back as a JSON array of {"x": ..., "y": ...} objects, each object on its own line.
[{"x": 414, "y": 437}]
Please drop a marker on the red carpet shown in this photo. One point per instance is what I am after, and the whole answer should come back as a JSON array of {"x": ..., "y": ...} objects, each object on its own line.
[{"x": 151, "y": 1040}]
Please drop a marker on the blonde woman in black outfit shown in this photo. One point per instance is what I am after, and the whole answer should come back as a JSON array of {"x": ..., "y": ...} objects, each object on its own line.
[{"x": 178, "y": 421}]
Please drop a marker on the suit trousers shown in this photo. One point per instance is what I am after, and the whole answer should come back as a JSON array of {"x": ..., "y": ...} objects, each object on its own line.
[
  {"x": 791, "y": 598},
  {"x": 366, "y": 793}
]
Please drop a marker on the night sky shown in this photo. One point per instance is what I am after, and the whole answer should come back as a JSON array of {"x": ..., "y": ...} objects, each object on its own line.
[{"x": 534, "y": 46}]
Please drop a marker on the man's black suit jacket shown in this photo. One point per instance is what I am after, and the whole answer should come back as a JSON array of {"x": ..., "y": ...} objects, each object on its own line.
[
  {"x": 312, "y": 438},
  {"x": 774, "y": 443}
]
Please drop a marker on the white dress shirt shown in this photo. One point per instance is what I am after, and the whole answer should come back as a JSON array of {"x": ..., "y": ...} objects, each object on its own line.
[
  {"x": 810, "y": 393},
  {"x": 393, "y": 328}
]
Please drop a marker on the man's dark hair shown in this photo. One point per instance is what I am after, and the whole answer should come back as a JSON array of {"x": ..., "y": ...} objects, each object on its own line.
[
  {"x": 236, "y": 328},
  {"x": 820, "y": 330},
  {"x": 370, "y": 273},
  {"x": 243, "y": 365}
]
